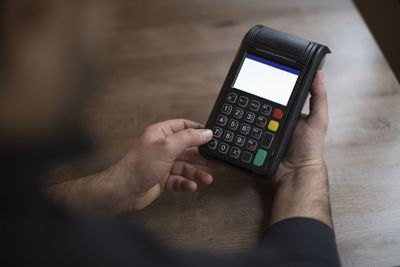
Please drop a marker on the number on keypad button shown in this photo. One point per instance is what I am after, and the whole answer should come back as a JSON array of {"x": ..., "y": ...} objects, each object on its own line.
[
  {"x": 238, "y": 113},
  {"x": 217, "y": 131},
  {"x": 228, "y": 136},
  {"x": 233, "y": 124},
  {"x": 223, "y": 148},
  {"x": 222, "y": 120},
  {"x": 240, "y": 140},
  {"x": 227, "y": 109},
  {"x": 231, "y": 97},
  {"x": 244, "y": 128},
  {"x": 249, "y": 117}
]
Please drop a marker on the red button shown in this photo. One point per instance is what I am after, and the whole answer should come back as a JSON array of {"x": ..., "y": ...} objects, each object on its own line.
[{"x": 277, "y": 114}]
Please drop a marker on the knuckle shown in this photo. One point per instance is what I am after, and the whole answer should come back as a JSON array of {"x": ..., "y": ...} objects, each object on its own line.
[
  {"x": 165, "y": 143},
  {"x": 324, "y": 94},
  {"x": 324, "y": 125},
  {"x": 167, "y": 147}
]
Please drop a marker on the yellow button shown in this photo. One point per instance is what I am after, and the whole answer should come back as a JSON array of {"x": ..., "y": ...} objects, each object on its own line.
[{"x": 273, "y": 125}]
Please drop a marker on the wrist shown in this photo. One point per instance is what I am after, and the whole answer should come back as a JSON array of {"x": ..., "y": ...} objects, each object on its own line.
[
  {"x": 303, "y": 192},
  {"x": 308, "y": 180},
  {"x": 312, "y": 171},
  {"x": 124, "y": 191},
  {"x": 102, "y": 194},
  {"x": 117, "y": 192}
]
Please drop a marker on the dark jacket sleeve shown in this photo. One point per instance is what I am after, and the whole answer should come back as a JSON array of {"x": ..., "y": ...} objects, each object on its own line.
[
  {"x": 300, "y": 242},
  {"x": 61, "y": 240},
  {"x": 291, "y": 242}
]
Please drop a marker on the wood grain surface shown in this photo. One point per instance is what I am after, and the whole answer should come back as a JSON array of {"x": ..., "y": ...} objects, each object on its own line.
[{"x": 169, "y": 60}]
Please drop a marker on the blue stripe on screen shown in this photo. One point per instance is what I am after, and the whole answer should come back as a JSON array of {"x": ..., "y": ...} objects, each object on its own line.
[{"x": 273, "y": 64}]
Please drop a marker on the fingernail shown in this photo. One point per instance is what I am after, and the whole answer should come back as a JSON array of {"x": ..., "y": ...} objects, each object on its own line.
[{"x": 207, "y": 133}]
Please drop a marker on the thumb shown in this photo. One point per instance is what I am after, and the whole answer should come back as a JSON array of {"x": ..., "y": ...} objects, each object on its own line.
[
  {"x": 188, "y": 138},
  {"x": 318, "y": 103}
]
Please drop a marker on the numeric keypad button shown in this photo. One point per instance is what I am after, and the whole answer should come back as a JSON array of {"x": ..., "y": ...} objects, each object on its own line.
[
  {"x": 222, "y": 120},
  {"x": 238, "y": 113},
  {"x": 261, "y": 121},
  {"x": 267, "y": 140},
  {"x": 244, "y": 128},
  {"x": 246, "y": 156},
  {"x": 235, "y": 152},
  {"x": 240, "y": 140},
  {"x": 254, "y": 105},
  {"x": 212, "y": 144},
  {"x": 243, "y": 101},
  {"x": 256, "y": 133},
  {"x": 231, "y": 97},
  {"x": 251, "y": 145},
  {"x": 223, "y": 148},
  {"x": 227, "y": 109},
  {"x": 217, "y": 131},
  {"x": 249, "y": 117},
  {"x": 266, "y": 109},
  {"x": 228, "y": 136},
  {"x": 233, "y": 124}
]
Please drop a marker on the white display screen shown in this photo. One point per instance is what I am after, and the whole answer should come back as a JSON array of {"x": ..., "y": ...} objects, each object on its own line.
[{"x": 266, "y": 79}]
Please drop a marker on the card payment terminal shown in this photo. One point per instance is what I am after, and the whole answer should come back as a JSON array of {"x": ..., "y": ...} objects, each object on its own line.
[{"x": 261, "y": 99}]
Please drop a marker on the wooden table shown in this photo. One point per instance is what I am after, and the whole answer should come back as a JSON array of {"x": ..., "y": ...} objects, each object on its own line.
[{"x": 169, "y": 59}]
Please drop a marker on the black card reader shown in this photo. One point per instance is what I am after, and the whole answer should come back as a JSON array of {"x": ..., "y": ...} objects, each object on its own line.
[{"x": 261, "y": 99}]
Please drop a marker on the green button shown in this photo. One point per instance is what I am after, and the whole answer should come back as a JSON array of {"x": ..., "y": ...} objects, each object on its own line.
[{"x": 260, "y": 157}]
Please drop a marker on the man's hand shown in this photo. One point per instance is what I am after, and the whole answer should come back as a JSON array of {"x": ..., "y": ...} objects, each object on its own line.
[
  {"x": 301, "y": 181},
  {"x": 164, "y": 158},
  {"x": 307, "y": 143}
]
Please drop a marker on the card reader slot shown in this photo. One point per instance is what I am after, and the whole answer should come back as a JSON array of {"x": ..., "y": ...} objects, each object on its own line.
[
  {"x": 275, "y": 55},
  {"x": 290, "y": 45}
]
